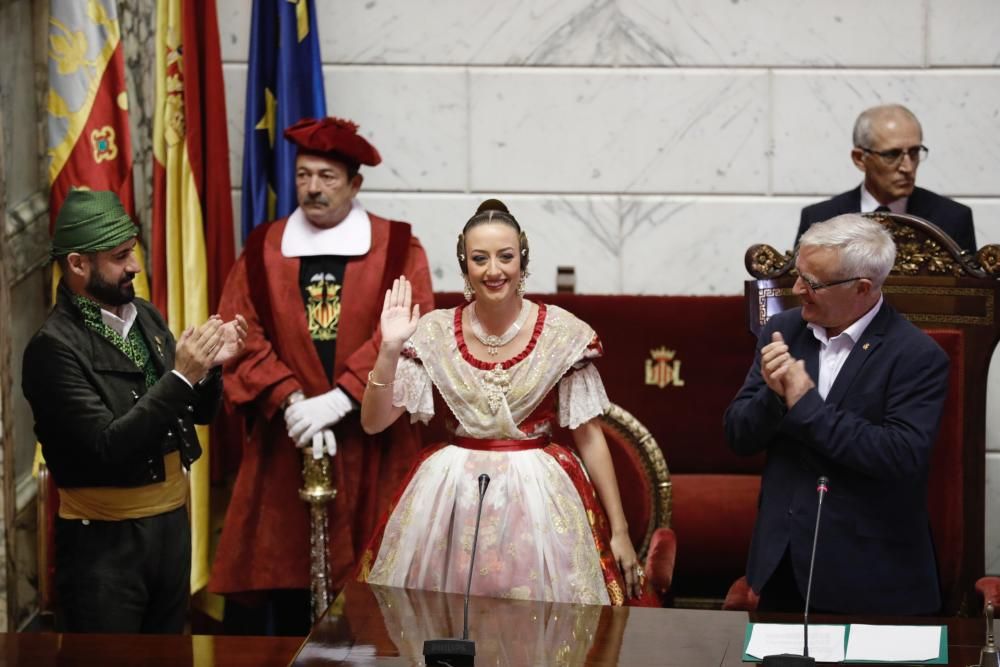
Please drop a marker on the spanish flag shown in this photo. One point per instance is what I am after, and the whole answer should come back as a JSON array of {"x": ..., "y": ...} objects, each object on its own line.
[
  {"x": 192, "y": 211},
  {"x": 88, "y": 132}
]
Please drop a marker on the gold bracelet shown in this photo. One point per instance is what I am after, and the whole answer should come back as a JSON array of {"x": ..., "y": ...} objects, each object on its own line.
[{"x": 377, "y": 385}]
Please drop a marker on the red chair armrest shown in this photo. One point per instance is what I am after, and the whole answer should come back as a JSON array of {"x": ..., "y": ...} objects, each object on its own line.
[
  {"x": 988, "y": 589},
  {"x": 660, "y": 560},
  {"x": 741, "y": 597}
]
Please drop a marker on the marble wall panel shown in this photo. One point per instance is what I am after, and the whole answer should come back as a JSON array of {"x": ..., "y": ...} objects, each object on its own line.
[
  {"x": 607, "y": 32},
  {"x": 234, "y": 30},
  {"x": 986, "y": 216},
  {"x": 426, "y": 32},
  {"x": 771, "y": 33},
  {"x": 993, "y": 416},
  {"x": 993, "y": 513},
  {"x": 538, "y": 32},
  {"x": 234, "y": 78},
  {"x": 417, "y": 118},
  {"x": 814, "y": 114},
  {"x": 555, "y": 226},
  {"x": 963, "y": 33},
  {"x": 695, "y": 245},
  {"x": 632, "y": 245},
  {"x": 611, "y": 131},
  {"x": 237, "y": 212}
]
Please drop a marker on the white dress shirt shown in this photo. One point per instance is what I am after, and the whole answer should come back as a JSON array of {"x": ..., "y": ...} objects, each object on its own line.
[
  {"x": 833, "y": 352},
  {"x": 869, "y": 203}
]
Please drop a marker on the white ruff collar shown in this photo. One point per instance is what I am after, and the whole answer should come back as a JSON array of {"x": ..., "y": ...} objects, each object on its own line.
[{"x": 353, "y": 236}]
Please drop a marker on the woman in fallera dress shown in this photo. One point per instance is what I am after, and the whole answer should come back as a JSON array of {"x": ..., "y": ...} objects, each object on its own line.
[{"x": 508, "y": 370}]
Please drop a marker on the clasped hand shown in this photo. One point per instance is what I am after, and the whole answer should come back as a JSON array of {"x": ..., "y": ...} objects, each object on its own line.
[
  {"x": 783, "y": 373},
  {"x": 309, "y": 420},
  {"x": 201, "y": 348}
]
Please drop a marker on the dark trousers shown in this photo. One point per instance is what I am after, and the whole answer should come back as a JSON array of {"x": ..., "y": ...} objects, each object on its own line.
[
  {"x": 781, "y": 592},
  {"x": 130, "y": 576}
]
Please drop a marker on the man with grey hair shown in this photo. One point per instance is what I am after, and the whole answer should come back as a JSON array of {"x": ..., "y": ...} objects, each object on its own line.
[
  {"x": 843, "y": 387},
  {"x": 888, "y": 148}
]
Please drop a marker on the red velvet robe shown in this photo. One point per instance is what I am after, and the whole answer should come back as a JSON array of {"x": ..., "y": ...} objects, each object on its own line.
[{"x": 265, "y": 539}]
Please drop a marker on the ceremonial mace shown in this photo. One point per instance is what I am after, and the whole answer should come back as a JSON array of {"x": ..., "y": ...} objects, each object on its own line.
[{"x": 318, "y": 491}]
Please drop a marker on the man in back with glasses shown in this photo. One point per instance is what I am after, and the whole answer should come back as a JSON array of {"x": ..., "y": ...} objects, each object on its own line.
[{"x": 888, "y": 148}]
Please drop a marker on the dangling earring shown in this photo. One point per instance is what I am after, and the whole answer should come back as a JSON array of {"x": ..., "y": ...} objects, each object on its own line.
[
  {"x": 520, "y": 285},
  {"x": 468, "y": 290}
]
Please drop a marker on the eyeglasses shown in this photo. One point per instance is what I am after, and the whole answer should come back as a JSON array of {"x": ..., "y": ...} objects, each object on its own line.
[
  {"x": 815, "y": 286},
  {"x": 894, "y": 156}
]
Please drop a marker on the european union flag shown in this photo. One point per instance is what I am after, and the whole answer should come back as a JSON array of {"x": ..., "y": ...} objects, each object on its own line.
[{"x": 284, "y": 85}]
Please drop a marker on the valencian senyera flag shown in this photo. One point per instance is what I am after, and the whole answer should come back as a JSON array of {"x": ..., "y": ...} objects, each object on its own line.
[
  {"x": 88, "y": 132},
  {"x": 192, "y": 246},
  {"x": 284, "y": 85}
]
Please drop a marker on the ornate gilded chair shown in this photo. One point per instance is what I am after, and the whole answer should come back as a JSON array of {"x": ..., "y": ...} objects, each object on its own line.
[
  {"x": 955, "y": 297},
  {"x": 646, "y": 491}
]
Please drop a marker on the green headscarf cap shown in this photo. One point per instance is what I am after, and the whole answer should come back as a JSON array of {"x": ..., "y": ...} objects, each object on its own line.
[{"x": 91, "y": 221}]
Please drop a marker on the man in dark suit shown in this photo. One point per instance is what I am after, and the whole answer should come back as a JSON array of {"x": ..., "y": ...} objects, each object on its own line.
[
  {"x": 846, "y": 388},
  {"x": 888, "y": 148},
  {"x": 115, "y": 402}
]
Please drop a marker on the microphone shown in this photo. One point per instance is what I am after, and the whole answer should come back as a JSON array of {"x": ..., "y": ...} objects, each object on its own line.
[
  {"x": 459, "y": 652},
  {"x": 786, "y": 659}
]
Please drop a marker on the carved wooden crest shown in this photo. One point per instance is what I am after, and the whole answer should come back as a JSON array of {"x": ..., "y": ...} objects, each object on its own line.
[{"x": 922, "y": 248}]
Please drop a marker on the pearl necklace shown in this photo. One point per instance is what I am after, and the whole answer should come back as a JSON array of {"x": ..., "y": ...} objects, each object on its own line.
[{"x": 494, "y": 343}]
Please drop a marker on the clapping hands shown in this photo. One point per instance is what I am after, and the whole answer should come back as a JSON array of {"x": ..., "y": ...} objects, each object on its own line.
[{"x": 783, "y": 373}]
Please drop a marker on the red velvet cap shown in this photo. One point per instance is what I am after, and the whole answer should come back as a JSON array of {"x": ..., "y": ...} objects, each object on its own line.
[{"x": 336, "y": 136}]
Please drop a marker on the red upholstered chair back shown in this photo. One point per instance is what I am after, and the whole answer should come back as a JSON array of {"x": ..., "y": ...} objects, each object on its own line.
[{"x": 945, "y": 494}]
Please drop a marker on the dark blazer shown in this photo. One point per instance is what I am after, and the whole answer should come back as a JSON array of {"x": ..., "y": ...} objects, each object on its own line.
[
  {"x": 872, "y": 438},
  {"x": 97, "y": 422},
  {"x": 953, "y": 218}
]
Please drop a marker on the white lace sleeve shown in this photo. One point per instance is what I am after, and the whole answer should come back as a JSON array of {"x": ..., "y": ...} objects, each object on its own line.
[
  {"x": 581, "y": 396},
  {"x": 413, "y": 390}
]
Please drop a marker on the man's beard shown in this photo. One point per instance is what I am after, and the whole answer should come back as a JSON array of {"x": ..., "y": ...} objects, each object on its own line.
[{"x": 110, "y": 293}]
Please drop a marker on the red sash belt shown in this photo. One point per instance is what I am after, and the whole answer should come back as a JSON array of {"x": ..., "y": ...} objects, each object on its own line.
[{"x": 491, "y": 445}]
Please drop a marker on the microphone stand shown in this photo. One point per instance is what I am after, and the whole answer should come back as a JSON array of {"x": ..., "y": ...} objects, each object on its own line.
[
  {"x": 789, "y": 659},
  {"x": 988, "y": 656},
  {"x": 459, "y": 652}
]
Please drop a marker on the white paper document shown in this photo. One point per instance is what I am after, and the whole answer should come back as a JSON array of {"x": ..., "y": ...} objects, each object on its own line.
[
  {"x": 893, "y": 642},
  {"x": 826, "y": 642}
]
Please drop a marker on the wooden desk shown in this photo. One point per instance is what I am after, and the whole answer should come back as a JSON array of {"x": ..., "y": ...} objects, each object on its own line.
[
  {"x": 45, "y": 649},
  {"x": 387, "y": 626},
  {"x": 384, "y": 626}
]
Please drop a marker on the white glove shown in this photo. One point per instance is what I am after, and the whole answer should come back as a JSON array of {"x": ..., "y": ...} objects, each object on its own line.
[
  {"x": 324, "y": 440},
  {"x": 307, "y": 417}
]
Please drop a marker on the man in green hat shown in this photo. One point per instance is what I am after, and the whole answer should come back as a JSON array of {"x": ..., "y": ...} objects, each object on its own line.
[{"x": 115, "y": 401}]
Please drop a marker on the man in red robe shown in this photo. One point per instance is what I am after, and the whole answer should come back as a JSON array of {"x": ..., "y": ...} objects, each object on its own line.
[{"x": 311, "y": 287}]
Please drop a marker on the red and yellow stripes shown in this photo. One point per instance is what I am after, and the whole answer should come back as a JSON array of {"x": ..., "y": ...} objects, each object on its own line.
[{"x": 192, "y": 210}]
